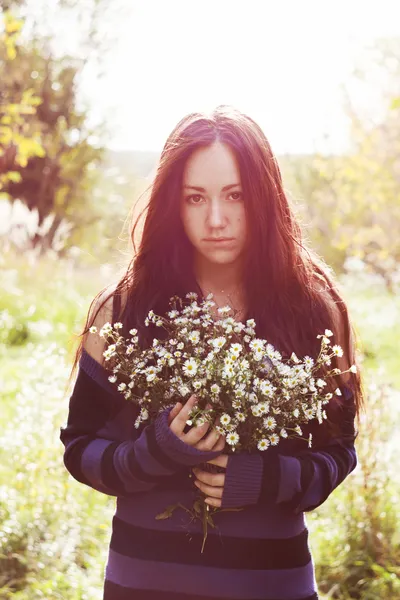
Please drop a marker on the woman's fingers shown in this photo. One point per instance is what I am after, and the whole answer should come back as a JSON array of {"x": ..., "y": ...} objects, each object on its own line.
[
  {"x": 179, "y": 422},
  {"x": 209, "y": 490},
  {"x": 175, "y": 410},
  {"x": 211, "y": 479},
  {"x": 220, "y": 461},
  {"x": 210, "y": 442},
  {"x": 195, "y": 434}
]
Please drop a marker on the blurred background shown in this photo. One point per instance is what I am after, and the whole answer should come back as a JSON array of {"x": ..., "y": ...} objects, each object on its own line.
[{"x": 89, "y": 91}]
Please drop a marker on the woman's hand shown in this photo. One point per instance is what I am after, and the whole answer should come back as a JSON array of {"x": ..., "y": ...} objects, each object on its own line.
[
  {"x": 196, "y": 436},
  {"x": 212, "y": 484}
]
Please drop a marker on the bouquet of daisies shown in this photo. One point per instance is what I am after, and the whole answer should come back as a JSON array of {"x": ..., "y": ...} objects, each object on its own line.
[
  {"x": 239, "y": 380},
  {"x": 244, "y": 387}
]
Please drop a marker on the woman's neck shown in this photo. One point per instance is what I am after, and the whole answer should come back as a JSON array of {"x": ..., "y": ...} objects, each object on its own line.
[
  {"x": 224, "y": 281},
  {"x": 218, "y": 278}
]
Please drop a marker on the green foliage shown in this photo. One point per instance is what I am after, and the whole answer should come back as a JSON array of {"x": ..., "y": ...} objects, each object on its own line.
[
  {"x": 49, "y": 150},
  {"x": 19, "y": 134},
  {"x": 359, "y": 557}
]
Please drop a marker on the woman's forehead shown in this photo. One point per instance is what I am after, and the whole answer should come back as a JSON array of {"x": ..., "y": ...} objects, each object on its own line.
[{"x": 214, "y": 165}]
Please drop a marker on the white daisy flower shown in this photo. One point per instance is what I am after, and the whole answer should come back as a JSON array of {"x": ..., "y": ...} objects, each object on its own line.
[
  {"x": 240, "y": 417},
  {"x": 236, "y": 349},
  {"x": 255, "y": 409},
  {"x": 190, "y": 367},
  {"x": 194, "y": 337},
  {"x": 266, "y": 388},
  {"x": 112, "y": 378},
  {"x": 338, "y": 392},
  {"x": 296, "y": 413},
  {"x": 122, "y": 387},
  {"x": 106, "y": 329},
  {"x": 244, "y": 364},
  {"x": 294, "y": 358},
  {"x": 184, "y": 390},
  {"x": 353, "y": 369},
  {"x": 228, "y": 372},
  {"x": 215, "y": 389},
  {"x": 298, "y": 430},
  {"x": 309, "y": 413},
  {"x": 144, "y": 414},
  {"x": 337, "y": 350},
  {"x": 196, "y": 385},
  {"x": 178, "y": 354},
  {"x": 263, "y": 444},
  {"x": 269, "y": 423},
  {"x": 224, "y": 310},
  {"x": 93, "y": 329},
  {"x": 328, "y": 333},
  {"x": 130, "y": 349},
  {"x": 257, "y": 345},
  {"x": 320, "y": 383},
  {"x": 283, "y": 433},
  {"x": 218, "y": 342},
  {"x": 274, "y": 439},
  {"x": 232, "y": 438},
  {"x": 264, "y": 407},
  {"x": 225, "y": 419},
  {"x": 308, "y": 362},
  {"x": 133, "y": 331}
]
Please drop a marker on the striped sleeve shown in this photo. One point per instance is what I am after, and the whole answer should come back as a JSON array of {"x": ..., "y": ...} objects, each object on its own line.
[
  {"x": 300, "y": 482},
  {"x": 103, "y": 449}
]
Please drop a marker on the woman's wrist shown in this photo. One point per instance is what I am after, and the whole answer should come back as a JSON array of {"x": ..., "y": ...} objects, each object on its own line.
[
  {"x": 243, "y": 480},
  {"x": 175, "y": 448}
]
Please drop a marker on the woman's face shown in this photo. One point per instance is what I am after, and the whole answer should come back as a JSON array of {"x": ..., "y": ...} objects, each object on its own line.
[{"x": 212, "y": 205}]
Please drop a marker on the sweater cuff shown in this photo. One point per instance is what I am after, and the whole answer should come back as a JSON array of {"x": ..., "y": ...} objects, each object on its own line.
[
  {"x": 175, "y": 448},
  {"x": 243, "y": 480}
]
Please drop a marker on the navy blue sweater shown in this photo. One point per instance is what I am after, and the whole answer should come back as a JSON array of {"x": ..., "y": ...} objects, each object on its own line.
[{"x": 261, "y": 552}]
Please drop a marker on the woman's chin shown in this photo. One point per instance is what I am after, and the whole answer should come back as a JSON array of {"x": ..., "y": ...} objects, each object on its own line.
[{"x": 221, "y": 258}]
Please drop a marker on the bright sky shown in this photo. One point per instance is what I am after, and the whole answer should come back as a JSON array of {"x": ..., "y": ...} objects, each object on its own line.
[{"x": 281, "y": 61}]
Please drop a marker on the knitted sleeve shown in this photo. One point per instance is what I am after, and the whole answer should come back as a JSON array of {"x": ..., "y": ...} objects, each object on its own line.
[
  {"x": 105, "y": 451},
  {"x": 301, "y": 481}
]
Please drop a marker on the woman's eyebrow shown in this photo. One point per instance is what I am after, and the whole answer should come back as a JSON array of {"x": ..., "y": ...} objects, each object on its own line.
[{"x": 200, "y": 189}]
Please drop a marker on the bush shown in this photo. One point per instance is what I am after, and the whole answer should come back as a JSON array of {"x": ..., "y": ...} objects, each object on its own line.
[
  {"x": 356, "y": 533},
  {"x": 53, "y": 531}
]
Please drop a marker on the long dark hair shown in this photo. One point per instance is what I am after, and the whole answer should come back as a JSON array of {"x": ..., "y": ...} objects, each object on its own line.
[{"x": 290, "y": 292}]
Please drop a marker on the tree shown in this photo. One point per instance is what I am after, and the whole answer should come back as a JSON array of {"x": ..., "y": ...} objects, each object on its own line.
[{"x": 20, "y": 138}]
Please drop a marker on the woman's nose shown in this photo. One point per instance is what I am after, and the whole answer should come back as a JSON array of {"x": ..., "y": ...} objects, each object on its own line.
[{"x": 215, "y": 216}]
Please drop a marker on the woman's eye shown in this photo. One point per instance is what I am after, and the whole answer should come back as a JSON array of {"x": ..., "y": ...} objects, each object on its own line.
[
  {"x": 195, "y": 199},
  {"x": 236, "y": 196}
]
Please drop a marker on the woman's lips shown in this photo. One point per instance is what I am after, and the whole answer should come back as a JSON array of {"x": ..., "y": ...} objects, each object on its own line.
[{"x": 219, "y": 240}]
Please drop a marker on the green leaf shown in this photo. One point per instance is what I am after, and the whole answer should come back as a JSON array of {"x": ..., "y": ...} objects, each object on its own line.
[{"x": 167, "y": 512}]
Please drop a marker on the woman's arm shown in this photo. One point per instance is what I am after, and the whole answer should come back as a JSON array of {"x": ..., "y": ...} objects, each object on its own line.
[
  {"x": 299, "y": 482},
  {"x": 104, "y": 451},
  {"x": 102, "y": 447}
]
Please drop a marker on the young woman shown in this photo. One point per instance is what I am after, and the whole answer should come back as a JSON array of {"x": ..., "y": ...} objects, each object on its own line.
[{"x": 218, "y": 221}]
